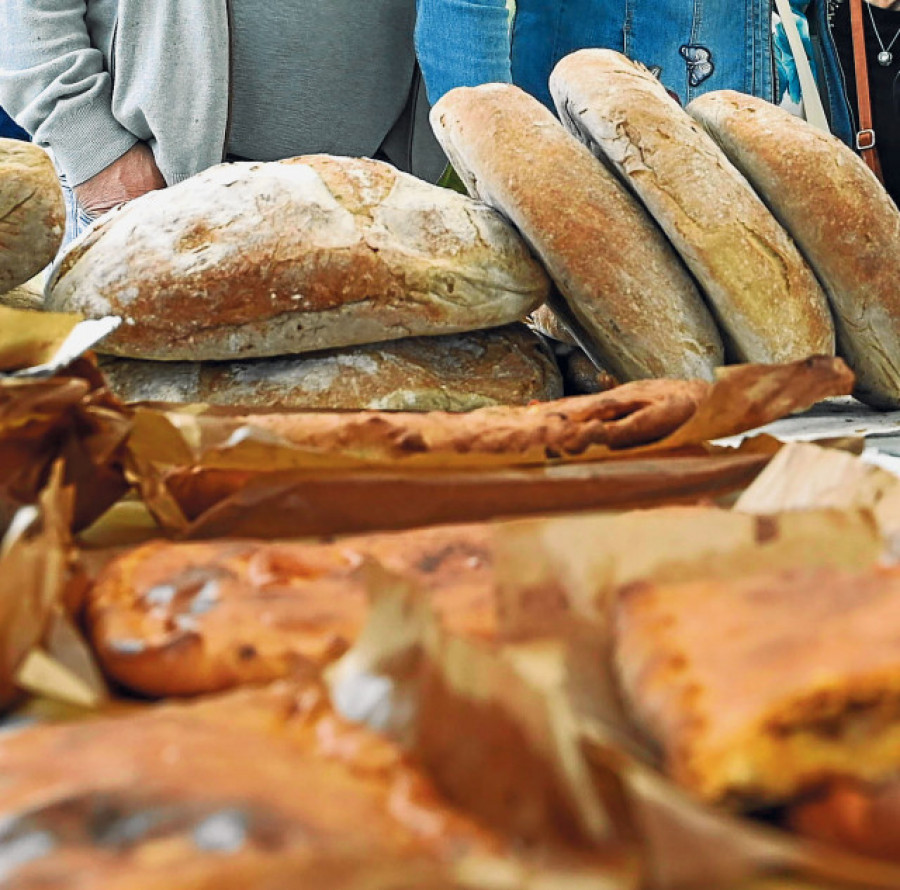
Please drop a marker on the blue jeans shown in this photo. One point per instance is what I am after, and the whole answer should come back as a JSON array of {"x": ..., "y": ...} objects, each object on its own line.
[{"x": 697, "y": 45}]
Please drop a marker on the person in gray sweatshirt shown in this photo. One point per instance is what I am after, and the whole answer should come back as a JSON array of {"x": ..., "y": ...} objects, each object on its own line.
[{"x": 135, "y": 95}]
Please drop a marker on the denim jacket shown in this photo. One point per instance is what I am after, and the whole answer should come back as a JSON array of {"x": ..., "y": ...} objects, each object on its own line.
[{"x": 694, "y": 45}]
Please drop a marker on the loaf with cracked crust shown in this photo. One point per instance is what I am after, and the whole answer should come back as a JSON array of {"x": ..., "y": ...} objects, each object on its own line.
[
  {"x": 614, "y": 268},
  {"x": 840, "y": 216},
  {"x": 191, "y": 618},
  {"x": 268, "y": 789},
  {"x": 766, "y": 299},
  {"x": 252, "y": 260},
  {"x": 458, "y": 372},
  {"x": 759, "y": 688},
  {"x": 32, "y": 212}
]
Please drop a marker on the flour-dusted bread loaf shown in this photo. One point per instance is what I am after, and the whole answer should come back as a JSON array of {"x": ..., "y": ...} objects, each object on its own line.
[
  {"x": 765, "y": 297},
  {"x": 190, "y": 618},
  {"x": 249, "y": 260},
  {"x": 458, "y": 372},
  {"x": 759, "y": 688},
  {"x": 838, "y": 213},
  {"x": 32, "y": 212},
  {"x": 617, "y": 273}
]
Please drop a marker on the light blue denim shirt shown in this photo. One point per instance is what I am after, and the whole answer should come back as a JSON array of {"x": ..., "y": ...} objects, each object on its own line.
[{"x": 694, "y": 45}]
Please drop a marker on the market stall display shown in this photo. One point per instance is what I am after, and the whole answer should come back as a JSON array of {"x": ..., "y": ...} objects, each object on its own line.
[{"x": 658, "y": 652}]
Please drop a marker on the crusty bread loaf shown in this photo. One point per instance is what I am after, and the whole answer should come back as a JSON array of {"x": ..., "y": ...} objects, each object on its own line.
[
  {"x": 757, "y": 688},
  {"x": 190, "y": 618},
  {"x": 29, "y": 295},
  {"x": 838, "y": 213},
  {"x": 32, "y": 212},
  {"x": 619, "y": 276},
  {"x": 248, "y": 260},
  {"x": 766, "y": 299},
  {"x": 458, "y": 372}
]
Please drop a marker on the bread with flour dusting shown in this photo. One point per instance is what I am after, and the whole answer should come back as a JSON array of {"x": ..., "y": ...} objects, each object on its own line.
[
  {"x": 619, "y": 277},
  {"x": 249, "y": 260},
  {"x": 765, "y": 297},
  {"x": 457, "y": 372},
  {"x": 32, "y": 212},
  {"x": 840, "y": 216}
]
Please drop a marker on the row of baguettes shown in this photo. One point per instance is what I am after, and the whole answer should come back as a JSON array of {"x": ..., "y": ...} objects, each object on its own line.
[{"x": 769, "y": 264}]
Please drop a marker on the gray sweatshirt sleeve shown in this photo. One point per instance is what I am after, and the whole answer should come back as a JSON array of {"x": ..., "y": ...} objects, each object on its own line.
[{"x": 56, "y": 86}]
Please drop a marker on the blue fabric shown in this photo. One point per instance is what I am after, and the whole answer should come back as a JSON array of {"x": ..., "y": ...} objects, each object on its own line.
[
  {"x": 462, "y": 43},
  {"x": 698, "y": 46},
  {"x": 9, "y": 129},
  {"x": 788, "y": 77}
]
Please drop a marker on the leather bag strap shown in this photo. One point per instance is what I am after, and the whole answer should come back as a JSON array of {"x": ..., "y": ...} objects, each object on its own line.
[{"x": 865, "y": 136}]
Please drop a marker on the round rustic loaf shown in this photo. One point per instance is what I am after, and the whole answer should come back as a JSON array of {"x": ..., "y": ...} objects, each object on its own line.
[
  {"x": 457, "y": 372},
  {"x": 32, "y": 212},
  {"x": 838, "y": 213},
  {"x": 620, "y": 278},
  {"x": 768, "y": 303},
  {"x": 249, "y": 260}
]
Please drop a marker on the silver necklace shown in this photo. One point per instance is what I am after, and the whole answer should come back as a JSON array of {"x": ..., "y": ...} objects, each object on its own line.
[{"x": 885, "y": 57}]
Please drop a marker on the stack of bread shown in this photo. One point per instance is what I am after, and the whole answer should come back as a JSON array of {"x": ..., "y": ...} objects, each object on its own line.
[
  {"x": 674, "y": 245},
  {"x": 318, "y": 282}
]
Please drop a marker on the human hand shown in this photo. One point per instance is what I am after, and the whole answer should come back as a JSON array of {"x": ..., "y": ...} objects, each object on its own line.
[
  {"x": 885, "y": 4},
  {"x": 130, "y": 176}
]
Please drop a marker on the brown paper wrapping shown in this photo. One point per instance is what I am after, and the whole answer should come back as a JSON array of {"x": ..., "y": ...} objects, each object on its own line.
[
  {"x": 203, "y": 473},
  {"x": 538, "y": 710},
  {"x": 42, "y": 586}
]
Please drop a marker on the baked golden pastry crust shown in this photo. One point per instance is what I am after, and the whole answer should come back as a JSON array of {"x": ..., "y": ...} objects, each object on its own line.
[
  {"x": 759, "y": 688},
  {"x": 188, "y": 618},
  {"x": 260, "y": 788}
]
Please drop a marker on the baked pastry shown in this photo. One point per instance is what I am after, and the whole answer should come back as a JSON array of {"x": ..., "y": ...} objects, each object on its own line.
[
  {"x": 633, "y": 414},
  {"x": 189, "y": 618},
  {"x": 32, "y": 212},
  {"x": 616, "y": 271},
  {"x": 767, "y": 301},
  {"x": 861, "y": 818},
  {"x": 251, "y": 260},
  {"x": 840, "y": 216},
  {"x": 758, "y": 687},
  {"x": 264, "y": 788},
  {"x": 458, "y": 372}
]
